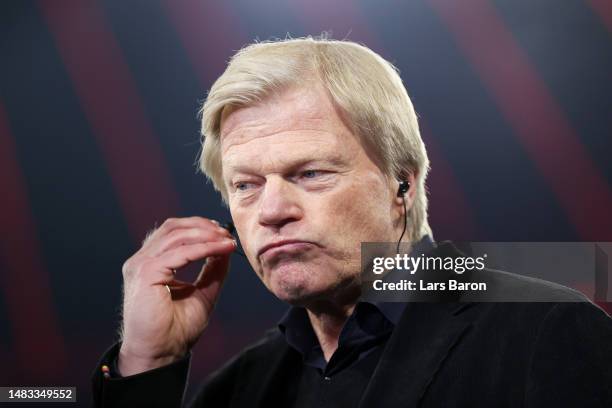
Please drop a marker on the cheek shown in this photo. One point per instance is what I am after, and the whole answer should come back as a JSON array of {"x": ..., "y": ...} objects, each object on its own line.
[{"x": 361, "y": 215}]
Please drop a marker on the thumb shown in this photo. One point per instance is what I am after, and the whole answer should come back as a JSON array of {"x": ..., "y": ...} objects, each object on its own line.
[{"x": 211, "y": 277}]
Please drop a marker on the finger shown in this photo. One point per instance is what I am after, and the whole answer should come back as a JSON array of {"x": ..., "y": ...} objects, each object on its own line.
[
  {"x": 211, "y": 277},
  {"x": 176, "y": 223},
  {"x": 159, "y": 270},
  {"x": 186, "y": 236}
]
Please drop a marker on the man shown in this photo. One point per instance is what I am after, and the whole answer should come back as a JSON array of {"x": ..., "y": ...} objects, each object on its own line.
[{"x": 314, "y": 145}]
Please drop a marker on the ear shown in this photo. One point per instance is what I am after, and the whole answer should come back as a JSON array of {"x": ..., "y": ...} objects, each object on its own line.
[{"x": 409, "y": 195}]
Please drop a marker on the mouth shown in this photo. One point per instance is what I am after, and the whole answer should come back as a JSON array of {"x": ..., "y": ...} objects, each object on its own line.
[{"x": 289, "y": 245}]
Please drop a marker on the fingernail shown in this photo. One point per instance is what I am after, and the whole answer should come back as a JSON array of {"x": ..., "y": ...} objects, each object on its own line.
[
  {"x": 235, "y": 243},
  {"x": 215, "y": 222}
]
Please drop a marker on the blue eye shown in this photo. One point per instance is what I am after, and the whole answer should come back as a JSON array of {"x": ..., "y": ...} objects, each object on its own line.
[
  {"x": 242, "y": 186},
  {"x": 310, "y": 173}
]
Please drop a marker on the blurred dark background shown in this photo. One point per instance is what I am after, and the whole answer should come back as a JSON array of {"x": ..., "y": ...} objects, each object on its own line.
[{"x": 99, "y": 137}]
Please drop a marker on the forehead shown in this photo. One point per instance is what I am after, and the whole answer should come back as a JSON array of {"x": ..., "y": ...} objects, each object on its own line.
[
  {"x": 293, "y": 107},
  {"x": 303, "y": 117}
]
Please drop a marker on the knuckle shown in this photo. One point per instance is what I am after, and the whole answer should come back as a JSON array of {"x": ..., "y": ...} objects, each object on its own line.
[
  {"x": 204, "y": 222},
  {"x": 126, "y": 268},
  {"x": 213, "y": 223},
  {"x": 199, "y": 219},
  {"x": 198, "y": 233},
  {"x": 173, "y": 235},
  {"x": 168, "y": 224},
  {"x": 191, "y": 235},
  {"x": 170, "y": 220},
  {"x": 179, "y": 236}
]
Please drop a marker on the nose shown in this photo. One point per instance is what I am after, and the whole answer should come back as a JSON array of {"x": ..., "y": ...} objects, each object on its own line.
[{"x": 279, "y": 204}]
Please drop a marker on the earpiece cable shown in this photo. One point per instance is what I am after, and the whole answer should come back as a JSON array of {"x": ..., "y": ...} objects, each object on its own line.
[{"x": 405, "y": 222}]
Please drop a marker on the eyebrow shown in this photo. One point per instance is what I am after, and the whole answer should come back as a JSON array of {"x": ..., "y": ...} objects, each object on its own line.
[{"x": 335, "y": 161}]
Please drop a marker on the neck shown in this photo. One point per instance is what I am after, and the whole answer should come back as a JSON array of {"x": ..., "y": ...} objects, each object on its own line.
[
  {"x": 328, "y": 314},
  {"x": 327, "y": 320}
]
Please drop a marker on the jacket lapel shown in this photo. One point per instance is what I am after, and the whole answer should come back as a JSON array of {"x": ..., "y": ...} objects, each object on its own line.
[
  {"x": 422, "y": 340},
  {"x": 416, "y": 350}
]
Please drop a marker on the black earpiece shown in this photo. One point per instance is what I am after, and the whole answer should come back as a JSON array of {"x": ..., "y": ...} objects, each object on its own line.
[
  {"x": 404, "y": 186},
  {"x": 229, "y": 226},
  {"x": 232, "y": 230}
]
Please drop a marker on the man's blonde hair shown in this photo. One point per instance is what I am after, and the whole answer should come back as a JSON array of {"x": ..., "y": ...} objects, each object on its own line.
[{"x": 366, "y": 89}]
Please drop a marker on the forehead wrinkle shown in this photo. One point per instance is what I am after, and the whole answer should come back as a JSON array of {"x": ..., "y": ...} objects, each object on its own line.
[
  {"x": 272, "y": 122},
  {"x": 310, "y": 150},
  {"x": 257, "y": 124},
  {"x": 233, "y": 141}
]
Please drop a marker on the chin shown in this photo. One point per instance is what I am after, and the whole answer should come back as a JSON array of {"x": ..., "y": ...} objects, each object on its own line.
[{"x": 296, "y": 285}]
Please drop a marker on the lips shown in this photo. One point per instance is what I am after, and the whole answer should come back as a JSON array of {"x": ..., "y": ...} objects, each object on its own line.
[{"x": 288, "y": 244}]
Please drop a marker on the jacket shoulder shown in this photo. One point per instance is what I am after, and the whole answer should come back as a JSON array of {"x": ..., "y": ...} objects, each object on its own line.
[{"x": 505, "y": 286}]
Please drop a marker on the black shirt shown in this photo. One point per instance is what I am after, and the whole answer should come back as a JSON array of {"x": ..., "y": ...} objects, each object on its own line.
[
  {"x": 341, "y": 381},
  {"x": 367, "y": 328}
]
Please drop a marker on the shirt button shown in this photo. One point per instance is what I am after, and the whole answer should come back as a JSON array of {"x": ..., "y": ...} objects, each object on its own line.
[{"x": 326, "y": 378}]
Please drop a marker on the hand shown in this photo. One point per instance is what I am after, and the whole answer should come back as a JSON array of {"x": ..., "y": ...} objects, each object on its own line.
[{"x": 162, "y": 316}]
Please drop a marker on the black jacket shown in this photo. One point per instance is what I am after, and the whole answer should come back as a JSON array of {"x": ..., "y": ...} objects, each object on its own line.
[{"x": 447, "y": 354}]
